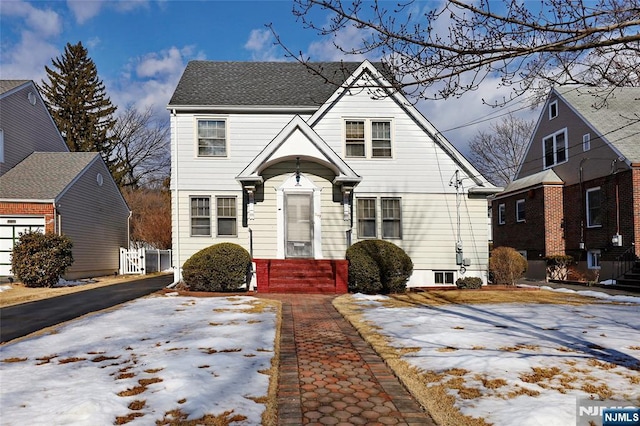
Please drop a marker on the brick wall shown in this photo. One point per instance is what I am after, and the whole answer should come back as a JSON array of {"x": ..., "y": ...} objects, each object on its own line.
[{"x": 31, "y": 209}]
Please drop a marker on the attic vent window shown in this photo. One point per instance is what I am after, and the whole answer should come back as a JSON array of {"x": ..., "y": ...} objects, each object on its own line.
[
  {"x": 32, "y": 98},
  {"x": 99, "y": 179},
  {"x": 553, "y": 110}
]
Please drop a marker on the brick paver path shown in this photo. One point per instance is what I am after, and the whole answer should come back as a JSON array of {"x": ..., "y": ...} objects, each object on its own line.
[{"x": 330, "y": 376}]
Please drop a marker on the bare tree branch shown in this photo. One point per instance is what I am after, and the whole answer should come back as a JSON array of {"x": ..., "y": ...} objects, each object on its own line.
[{"x": 442, "y": 50}]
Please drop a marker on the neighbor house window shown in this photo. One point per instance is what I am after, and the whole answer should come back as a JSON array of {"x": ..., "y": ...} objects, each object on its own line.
[
  {"x": 594, "y": 207},
  {"x": 1, "y": 146},
  {"x": 212, "y": 138},
  {"x": 553, "y": 110},
  {"x": 355, "y": 139},
  {"x": 368, "y": 138},
  {"x": 391, "y": 218},
  {"x": 501, "y": 211},
  {"x": 200, "y": 217},
  {"x": 586, "y": 142},
  {"x": 366, "y": 217},
  {"x": 520, "y": 211},
  {"x": 443, "y": 277},
  {"x": 593, "y": 259},
  {"x": 555, "y": 148},
  {"x": 381, "y": 139},
  {"x": 227, "y": 217}
]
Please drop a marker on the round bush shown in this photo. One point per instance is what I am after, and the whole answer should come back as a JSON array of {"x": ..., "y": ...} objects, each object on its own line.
[
  {"x": 378, "y": 266},
  {"x": 472, "y": 283},
  {"x": 39, "y": 260},
  {"x": 506, "y": 265},
  {"x": 221, "y": 267}
]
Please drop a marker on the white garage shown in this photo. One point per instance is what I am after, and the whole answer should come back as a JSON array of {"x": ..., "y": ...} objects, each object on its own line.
[{"x": 10, "y": 230}]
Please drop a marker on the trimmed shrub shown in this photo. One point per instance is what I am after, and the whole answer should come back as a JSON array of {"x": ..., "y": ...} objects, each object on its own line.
[
  {"x": 472, "y": 283},
  {"x": 39, "y": 260},
  {"x": 221, "y": 267},
  {"x": 378, "y": 266},
  {"x": 507, "y": 265}
]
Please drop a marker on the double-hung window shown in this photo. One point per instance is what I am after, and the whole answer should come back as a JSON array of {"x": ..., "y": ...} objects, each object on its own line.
[
  {"x": 212, "y": 138},
  {"x": 355, "y": 139},
  {"x": 368, "y": 138},
  {"x": 226, "y": 216},
  {"x": 200, "y": 217},
  {"x": 555, "y": 148},
  {"x": 594, "y": 207},
  {"x": 501, "y": 214},
  {"x": 366, "y": 217},
  {"x": 391, "y": 218},
  {"x": 381, "y": 139},
  {"x": 520, "y": 216}
]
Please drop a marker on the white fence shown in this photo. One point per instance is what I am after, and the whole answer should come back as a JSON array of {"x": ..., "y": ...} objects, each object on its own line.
[{"x": 144, "y": 261}]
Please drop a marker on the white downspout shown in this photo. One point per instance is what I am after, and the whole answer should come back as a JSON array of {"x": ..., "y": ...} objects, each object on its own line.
[{"x": 177, "y": 275}]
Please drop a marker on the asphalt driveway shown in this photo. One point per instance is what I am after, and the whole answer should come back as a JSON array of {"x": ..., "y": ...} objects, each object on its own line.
[{"x": 20, "y": 320}]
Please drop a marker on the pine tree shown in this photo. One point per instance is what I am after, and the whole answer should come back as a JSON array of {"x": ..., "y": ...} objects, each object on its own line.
[{"x": 77, "y": 101}]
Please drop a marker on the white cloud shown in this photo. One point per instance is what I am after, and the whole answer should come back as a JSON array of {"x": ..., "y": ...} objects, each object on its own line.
[
  {"x": 348, "y": 38},
  {"x": 84, "y": 10},
  {"x": 44, "y": 22},
  {"x": 165, "y": 62},
  {"x": 262, "y": 47}
]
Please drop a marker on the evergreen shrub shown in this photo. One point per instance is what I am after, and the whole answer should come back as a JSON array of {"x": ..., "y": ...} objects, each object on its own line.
[
  {"x": 220, "y": 267},
  {"x": 378, "y": 266},
  {"x": 39, "y": 260},
  {"x": 472, "y": 283}
]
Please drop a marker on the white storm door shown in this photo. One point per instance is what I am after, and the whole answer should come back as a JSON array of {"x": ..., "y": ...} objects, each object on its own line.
[{"x": 299, "y": 225}]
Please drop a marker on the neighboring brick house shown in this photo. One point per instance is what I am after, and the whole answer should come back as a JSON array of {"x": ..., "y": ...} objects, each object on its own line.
[
  {"x": 44, "y": 187},
  {"x": 577, "y": 191}
]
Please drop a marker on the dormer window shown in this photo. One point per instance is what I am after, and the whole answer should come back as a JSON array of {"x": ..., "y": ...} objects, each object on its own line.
[{"x": 553, "y": 110}]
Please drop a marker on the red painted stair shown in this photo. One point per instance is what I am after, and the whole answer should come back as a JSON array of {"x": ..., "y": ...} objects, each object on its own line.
[{"x": 302, "y": 276}]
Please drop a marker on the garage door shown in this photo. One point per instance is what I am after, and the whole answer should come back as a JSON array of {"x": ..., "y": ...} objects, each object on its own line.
[{"x": 10, "y": 229}]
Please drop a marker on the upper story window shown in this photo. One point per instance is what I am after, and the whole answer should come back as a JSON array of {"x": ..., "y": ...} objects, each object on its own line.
[
  {"x": 355, "y": 139},
  {"x": 200, "y": 217},
  {"x": 586, "y": 142},
  {"x": 1, "y": 146},
  {"x": 594, "y": 207},
  {"x": 501, "y": 211},
  {"x": 212, "y": 138},
  {"x": 553, "y": 110},
  {"x": 368, "y": 138},
  {"x": 227, "y": 216},
  {"x": 391, "y": 218},
  {"x": 554, "y": 148},
  {"x": 366, "y": 217},
  {"x": 520, "y": 216}
]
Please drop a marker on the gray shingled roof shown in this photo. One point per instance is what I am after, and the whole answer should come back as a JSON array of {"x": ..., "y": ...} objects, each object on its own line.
[
  {"x": 44, "y": 175},
  {"x": 209, "y": 83},
  {"x": 6, "y": 85},
  {"x": 616, "y": 116}
]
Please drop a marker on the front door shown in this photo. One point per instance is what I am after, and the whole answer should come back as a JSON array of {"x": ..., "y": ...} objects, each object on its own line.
[{"x": 299, "y": 225}]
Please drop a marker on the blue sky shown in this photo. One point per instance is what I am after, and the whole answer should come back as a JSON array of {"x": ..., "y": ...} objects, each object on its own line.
[{"x": 141, "y": 48}]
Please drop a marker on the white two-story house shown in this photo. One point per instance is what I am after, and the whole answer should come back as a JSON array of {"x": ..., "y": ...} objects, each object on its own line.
[{"x": 271, "y": 157}]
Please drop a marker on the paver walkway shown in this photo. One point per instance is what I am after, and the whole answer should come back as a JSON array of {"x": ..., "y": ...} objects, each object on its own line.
[{"x": 330, "y": 376}]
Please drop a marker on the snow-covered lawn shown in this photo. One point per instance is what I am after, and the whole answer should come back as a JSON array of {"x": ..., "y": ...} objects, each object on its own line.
[
  {"x": 517, "y": 363},
  {"x": 155, "y": 359}
]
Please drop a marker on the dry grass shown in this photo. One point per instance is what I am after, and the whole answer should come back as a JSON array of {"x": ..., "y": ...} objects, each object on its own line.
[
  {"x": 177, "y": 418},
  {"x": 14, "y": 359},
  {"x": 433, "y": 389}
]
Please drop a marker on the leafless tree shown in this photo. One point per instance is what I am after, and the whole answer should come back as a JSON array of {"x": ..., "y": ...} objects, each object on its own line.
[
  {"x": 438, "y": 50},
  {"x": 497, "y": 153},
  {"x": 141, "y": 153},
  {"x": 151, "y": 218}
]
